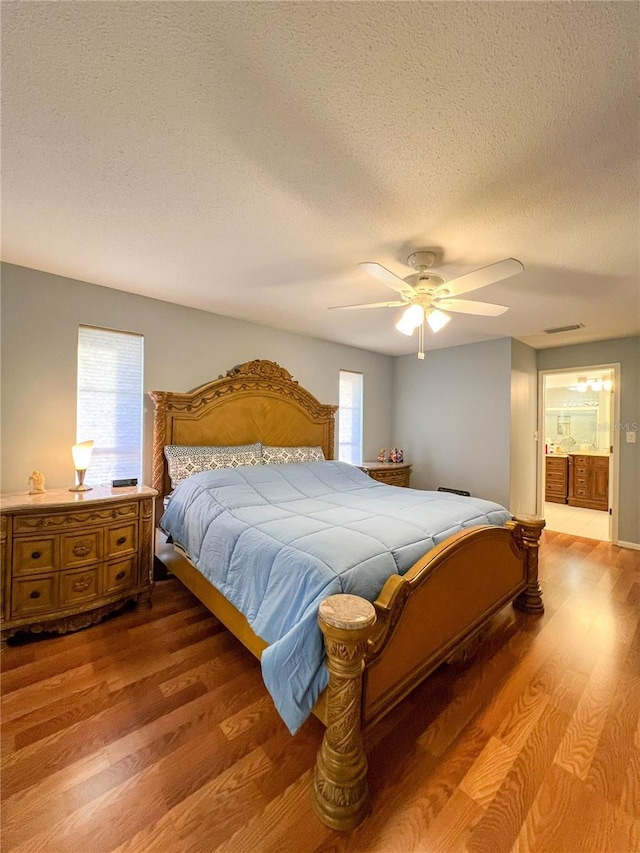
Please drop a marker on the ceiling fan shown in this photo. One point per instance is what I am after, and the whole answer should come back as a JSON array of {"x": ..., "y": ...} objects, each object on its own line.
[{"x": 427, "y": 296}]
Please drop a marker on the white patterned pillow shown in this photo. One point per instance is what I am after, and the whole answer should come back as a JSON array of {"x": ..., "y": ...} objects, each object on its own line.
[
  {"x": 281, "y": 455},
  {"x": 185, "y": 460}
]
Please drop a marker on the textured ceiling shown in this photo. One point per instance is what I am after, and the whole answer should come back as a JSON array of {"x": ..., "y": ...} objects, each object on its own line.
[{"x": 243, "y": 157}]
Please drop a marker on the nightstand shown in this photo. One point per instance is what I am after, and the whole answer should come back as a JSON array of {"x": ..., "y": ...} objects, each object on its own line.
[
  {"x": 391, "y": 473},
  {"x": 70, "y": 558}
]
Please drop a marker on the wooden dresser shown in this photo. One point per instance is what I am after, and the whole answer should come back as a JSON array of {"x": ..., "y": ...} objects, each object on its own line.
[
  {"x": 69, "y": 558},
  {"x": 391, "y": 473},
  {"x": 556, "y": 480},
  {"x": 589, "y": 481}
]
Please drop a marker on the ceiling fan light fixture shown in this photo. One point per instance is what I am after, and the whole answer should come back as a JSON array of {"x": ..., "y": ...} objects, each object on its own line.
[
  {"x": 410, "y": 320},
  {"x": 437, "y": 320},
  {"x": 424, "y": 291}
]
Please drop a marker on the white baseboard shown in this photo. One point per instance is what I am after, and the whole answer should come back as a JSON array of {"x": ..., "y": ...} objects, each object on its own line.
[{"x": 633, "y": 545}]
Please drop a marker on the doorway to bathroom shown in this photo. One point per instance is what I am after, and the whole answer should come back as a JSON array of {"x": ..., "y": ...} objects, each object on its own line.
[{"x": 578, "y": 459}]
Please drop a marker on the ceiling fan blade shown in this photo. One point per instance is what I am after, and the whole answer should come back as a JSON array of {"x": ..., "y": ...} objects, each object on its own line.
[
  {"x": 482, "y": 277},
  {"x": 387, "y": 277},
  {"x": 368, "y": 305},
  {"x": 466, "y": 306}
]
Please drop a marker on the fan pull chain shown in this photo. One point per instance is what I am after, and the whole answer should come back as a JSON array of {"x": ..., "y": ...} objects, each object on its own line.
[{"x": 421, "y": 341}]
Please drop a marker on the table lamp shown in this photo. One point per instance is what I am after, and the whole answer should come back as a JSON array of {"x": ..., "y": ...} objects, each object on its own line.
[{"x": 81, "y": 455}]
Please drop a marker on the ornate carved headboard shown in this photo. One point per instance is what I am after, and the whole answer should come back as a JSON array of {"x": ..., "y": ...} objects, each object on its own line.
[{"x": 257, "y": 401}]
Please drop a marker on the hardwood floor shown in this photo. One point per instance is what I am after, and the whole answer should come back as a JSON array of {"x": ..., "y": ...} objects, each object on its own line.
[{"x": 152, "y": 732}]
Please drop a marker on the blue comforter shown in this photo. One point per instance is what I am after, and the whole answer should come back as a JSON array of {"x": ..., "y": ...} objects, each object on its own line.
[{"x": 278, "y": 539}]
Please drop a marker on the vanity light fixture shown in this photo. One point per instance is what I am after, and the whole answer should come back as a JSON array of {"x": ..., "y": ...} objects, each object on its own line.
[{"x": 585, "y": 384}]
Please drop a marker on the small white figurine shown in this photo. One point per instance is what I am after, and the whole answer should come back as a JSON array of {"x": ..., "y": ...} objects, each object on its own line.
[{"x": 36, "y": 481}]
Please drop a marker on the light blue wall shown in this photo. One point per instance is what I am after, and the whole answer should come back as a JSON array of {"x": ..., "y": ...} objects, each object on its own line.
[
  {"x": 626, "y": 352},
  {"x": 184, "y": 348},
  {"x": 452, "y": 418}
]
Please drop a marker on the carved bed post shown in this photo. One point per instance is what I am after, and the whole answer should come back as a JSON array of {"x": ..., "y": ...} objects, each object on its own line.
[
  {"x": 529, "y": 530},
  {"x": 159, "y": 440},
  {"x": 340, "y": 791}
]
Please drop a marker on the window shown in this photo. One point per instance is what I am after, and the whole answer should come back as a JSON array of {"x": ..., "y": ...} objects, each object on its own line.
[
  {"x": 110, "y": 402},
  {"x": 350, "y": 417}
]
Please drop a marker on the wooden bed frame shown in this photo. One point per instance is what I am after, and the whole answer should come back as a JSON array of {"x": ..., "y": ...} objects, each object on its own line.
[{"x": 376, "y": 653}]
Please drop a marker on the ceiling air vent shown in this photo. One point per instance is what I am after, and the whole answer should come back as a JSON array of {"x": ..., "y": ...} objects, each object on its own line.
[{"x": 564, "y": 329}]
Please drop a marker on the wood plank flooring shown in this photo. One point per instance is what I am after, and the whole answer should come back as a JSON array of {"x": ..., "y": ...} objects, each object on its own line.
[{"x": 153, "y": 732}]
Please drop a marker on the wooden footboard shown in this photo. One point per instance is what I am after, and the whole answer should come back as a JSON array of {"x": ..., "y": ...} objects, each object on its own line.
[
  {"x": 446, "y": 598},
  {"x": 419, "y": 621},
  {"x": 423, "y": 619}
]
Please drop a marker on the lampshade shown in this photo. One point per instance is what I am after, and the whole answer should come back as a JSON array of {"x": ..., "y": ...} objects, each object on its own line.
[
  {"x": 410, "y": 320},
  {"x": 437, "y": 320},
  {"x": 81, "y": 455}
]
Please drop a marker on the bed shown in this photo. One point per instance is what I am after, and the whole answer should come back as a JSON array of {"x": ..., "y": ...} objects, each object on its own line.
[{"x": 376, "y": 651}]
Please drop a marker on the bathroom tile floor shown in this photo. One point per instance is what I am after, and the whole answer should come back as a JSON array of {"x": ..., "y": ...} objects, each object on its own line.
[{"x": 590, "y": 523}]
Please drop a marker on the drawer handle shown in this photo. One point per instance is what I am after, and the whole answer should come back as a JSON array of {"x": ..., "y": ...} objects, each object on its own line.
[
  {"x": 35, "y": 555},
  {"x": 121, "y": 575},
  {"x": 81, "y": 549},
  {"x": 121, "y": 540},
  {"x": 81, "y": 584},
  {"x": 35, "y": 594}
]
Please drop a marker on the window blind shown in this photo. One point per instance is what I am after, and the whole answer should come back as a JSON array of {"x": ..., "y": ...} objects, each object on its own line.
[
  {"x": 350, "y": 417},
  {"x": 109, "y": 400}
]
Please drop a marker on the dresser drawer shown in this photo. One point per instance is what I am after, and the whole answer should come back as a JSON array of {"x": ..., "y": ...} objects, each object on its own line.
[
  {"x": 556, "y": 488},
  {"x": 393, "y": 478},
  {"x": 34, "y": 595},
  {"x": 77, "y": 549},
  {"x": 581, "y": 460},
  {"x": 121, "y": 540},
  {"x": 559, "y": 463},
  {"x": 79, "y": 585},
  {"x": 556, "y": 476},
  {"x": 34, "y": 555},
  {"x": 119, "y": 575}
]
